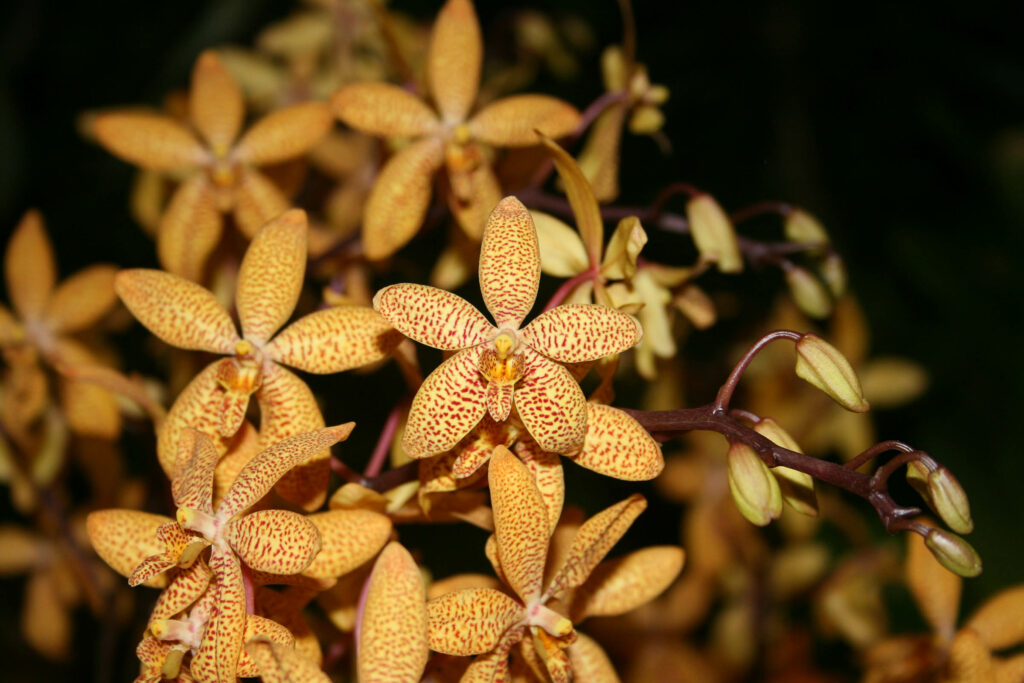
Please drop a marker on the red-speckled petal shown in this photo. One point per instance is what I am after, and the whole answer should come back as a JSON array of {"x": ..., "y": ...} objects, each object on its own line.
[
  {"x": 29, "y": 266},
  {"x": 392, "y": 636},
  {"x": 261, "y": 473},
  {"x": 475, "y": 191},
  {"x": 471, "y": 621},
  {"x": 217, "y": 658},
  {"x": 275, "y": 541},
  {"x": 546, "y": 469},
  {"x": 285, "y": 133},
  {"x": 288, "y": 407},
  {"x": 593, "y": 541},
  {"x": 499, "y": 401},
  {"x": 620, "y": 585},
  {"x": 215, "y": 102},
  {"x": 190, "y": 229},
  {"x": 278, "y": 663},
  {"x": 124, "y": 538},
  {"x": 383, "y": 109},
  {"x": 551, "y": 404},
  {"x": 513, "y": 121},
  {"x": 520, "y": 523},
  {"x": 270, "y": 279},
  {"x": 185, "y": 589},
  {"x": 576, "y": 333},
  {"x": 433, "y": 316},
  {"x": 493, "y": 666},
  {"x": 350, "y": 538},
  {"x": 263, "y": 630},
  {"x": 618, "y": 446},
  {"x": 454, "y": 59},
  {"x": 509, "y": 263},
  {"x": 197, "y": 406},
  {"x": 589, "y": 661},
  {"x": 178, "y": 311},
  {"x": 150, "y": 568},
  {"x": 450, "y": 402},
  {"x": 152, "y": 141},
  {"x": 198, "y": 457},
  {"x": 335, "y": 339},
  {"x": 257, "y": 201}
]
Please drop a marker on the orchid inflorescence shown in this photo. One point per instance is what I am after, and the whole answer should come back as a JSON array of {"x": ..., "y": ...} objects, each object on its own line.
[{"x": 256, "y": 578}]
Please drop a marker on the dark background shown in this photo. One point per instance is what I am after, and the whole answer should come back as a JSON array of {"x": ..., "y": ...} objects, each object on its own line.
[{"x": 899, "y": 124}]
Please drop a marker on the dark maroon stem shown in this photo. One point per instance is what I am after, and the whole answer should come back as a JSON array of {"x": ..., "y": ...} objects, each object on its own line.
[{"x": 725, "y": 393}]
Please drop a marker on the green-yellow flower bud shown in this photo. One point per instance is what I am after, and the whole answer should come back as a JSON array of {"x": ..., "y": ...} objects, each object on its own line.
[
  {"x": 950, "y": 501},
  {"x": 953, "y": 552},
  {"x": 821, "y": 364},
  {"x": 713, "y": 233},
  {"x": 797, "y": 487},
  {"x": 808, "y": 292},
  {"x": 754, "y": 488},
  {"x": 833, "y": 272},
  {"x": 801, "y": 226}
]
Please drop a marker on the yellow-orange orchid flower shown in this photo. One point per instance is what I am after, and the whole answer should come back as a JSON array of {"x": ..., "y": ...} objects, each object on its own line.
[
  {"x": 186, "y": 315},
  {"x": 219, "y": 166},
  {"x": 503, "y": 365},
  {"x": 448, "y": 136}
]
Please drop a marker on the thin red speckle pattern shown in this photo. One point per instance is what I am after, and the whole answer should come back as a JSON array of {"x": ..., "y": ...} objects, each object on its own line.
[
  {"x": 197, "y": 458},
  {"x": 333, "y": 340},
  {"x": 349, "y": 538},
  {"x": 217, "y": 658},
  {"x": 616, "y": 445},
  {"x": 270, "y": 278},
  {"x": 454, "y": 60},
  {"x": 184, "y": 590},
  {"x": 625, "y": 583},
  {"x": 546, "y": 469},
  {"x": 499, "y": 400},
  {"x": 180, "y": 312},
  {"x": 493, "y": 667},
  {"x": 450, "y": 402},
  {"x": 264, "y": 630},
  {"x": 257, "y": 200},
  {"x": 509, "y": 263},
  {"x": 551, "y": 404},
  {"x": 275, "y": 541},
  {"x": 589, "y": 661},
  {"x": 576, "y": 333},
  {"x": 197, "y": 406},
  {"x": 393, "y": 632},
  {"x": 433, "y": 316},
  {"x": 471, "y": 621},
  {"x": 520, "y": 523},
  {"x": 124, "y": 538}
]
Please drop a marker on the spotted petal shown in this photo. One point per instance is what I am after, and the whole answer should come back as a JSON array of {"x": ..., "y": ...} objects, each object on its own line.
[
  {"x": 551, "y": 404},
  {"x": 262, "y": 630},
  {"x": 82, "y": 299},
  {"x": 454, "y": 59},
  {"x": 197, "y": 458},
  {"x": 275, "y": 541},
  {"x": 392, "y": 636},
  {"x": 179, "y": 312},
  {"x": 471, "y": 621},
  {"x": 577, "y": 333},
  {"x": 215, "y": 103},
  {"x": 618, "y": 446},
  {"x": 433, "y": 316},
  {"x": 124, "y": 538},
  {"x": 589, "y": 661},
  {"x": 350, "y": 538},
  {"x": 400, "y": 198},
  {"x": 185, "y": 589},
  {"x": 513, "y": 121},
  {"x": 593, "y": 541},
  {"x": 270, "y": 279},
  {"x": 152, "y": 141},
  {"x": 383, "y": 109},
  {"x": 263, "y": 471},
  {"x": 257, "y": 200},
  {"x": 620, "y": 585},
  {"x": 474, "y": 193},
  {"x": 509, "y": 263},
  {"x": 449, "y": 403},
  {"x": 279, "y": 663},
  {"x": 285, "y": 133},
  {"x": 217, "y": 658},
  {"x": 189, "y": 229},
  {"x": 334, "y": 339},
  {"x": 29, "y": 266},
  {"x": 546, "y": 469},
  {"x": 197, "y": 406},
  {"x": 520, "y": 523}
]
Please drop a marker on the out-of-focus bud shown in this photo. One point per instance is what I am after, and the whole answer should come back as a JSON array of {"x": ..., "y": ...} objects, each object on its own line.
[
  {"x": 613, "y": 69},
  {"x": 821, "y": 364},
  {"x": 646, "y": 120},
  {"x": 696, "y": 306},
  {"x": 713, "y": 233},
  {"x": 797, "y": 487},
  {"x": 808, "y": 292},
  {"x": 754, "y": 489},
  {"x": 950, "y": 501},
  {"x": 833, "y": 272},
  {"x": 656, "y": 94},
  {"x": 953, "y": 552},
  {"x": 623, "y": 248},
  {"x": 802, "y": 227}
]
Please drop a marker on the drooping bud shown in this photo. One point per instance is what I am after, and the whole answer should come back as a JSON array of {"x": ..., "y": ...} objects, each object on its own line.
[
  {"x": 713, "y": 233},
  {"x": 833, "y": 272},
  {"x": 917, "y": 477},
  {"x": 953, "y": 552},
  {"x": 821, "y": 364},
  {"x": 646, "y": 120},
  {"x": 950, "y": 501},
  {"x": 802, "y": 227},
  {"x": 754, "y": 489},
  {"x": 797, "y": 487},
  {"x": 808, "y": 292}
]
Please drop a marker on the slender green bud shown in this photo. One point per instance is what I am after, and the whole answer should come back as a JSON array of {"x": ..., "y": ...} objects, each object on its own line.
[
  {"x": 754, "y": 488},
  {"x": 808, "y": 292},
  {"x": 950, "y": 501},
  {"x": 953, "y": 552},
  {"x": 801, "y": 226},
  {"x": 917, "y": 477},
  {"x": 797, "y": 487},
  {"x": 713, "y": 233},
  {"x": 821, "y": 364},
  {"x": 833, "y": 272}
]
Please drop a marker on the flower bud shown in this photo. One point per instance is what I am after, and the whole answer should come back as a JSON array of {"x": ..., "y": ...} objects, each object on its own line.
[
  {"x": 950, "y": 501},
  {"x": 802, "y": 227},
  {"x": 833, "y": 272},
  {"x": 808, "y": 292},
  {"x": 646, "y": 120},
  {"x": 713, "y": 233},
  {"x": 797, "y": 487},
  {"x": 821, "y": 364},
  {"x": 917, "y": 477},
  {"x": 953, "y": 552},
  {"x": 754, "y": 489}
]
